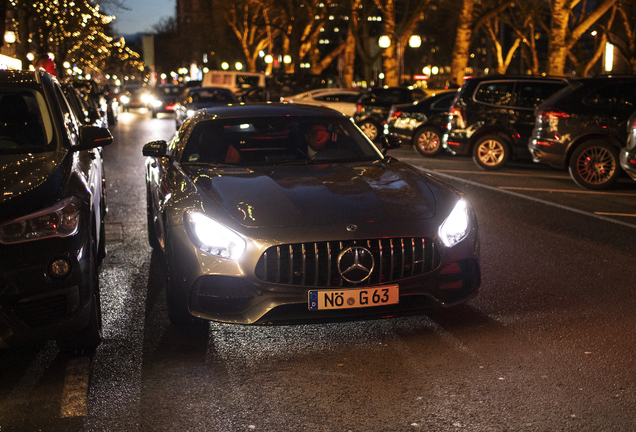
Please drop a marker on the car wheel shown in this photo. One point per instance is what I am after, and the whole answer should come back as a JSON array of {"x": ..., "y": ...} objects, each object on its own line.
[
  {"x": 595, "y": 165},
  {"x": 87, "y": 339},
  {"x": 427, "y": 142},
  {"x": 178, "y": 312},
  {"x": 491, "y": 152},
  {"x": 153, "y": 240},
  {"x": 370, "y": 129}
]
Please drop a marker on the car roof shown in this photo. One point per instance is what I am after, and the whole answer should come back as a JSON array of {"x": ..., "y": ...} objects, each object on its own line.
[
  {"x": 20, "y": 77},
  {"x": 264, "y": 109}
]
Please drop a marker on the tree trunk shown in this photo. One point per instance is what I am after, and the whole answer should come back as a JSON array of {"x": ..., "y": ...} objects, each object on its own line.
[{"x": 463, "y": 38}]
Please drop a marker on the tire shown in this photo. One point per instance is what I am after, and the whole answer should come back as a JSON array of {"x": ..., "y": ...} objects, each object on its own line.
[
  {"x": 428, "y": 142},
  {"x": 370, "y": 129},
  {"x": 177, "y": 304},
  {"x": 86, "y": 340},
  {"x": 595, "y": 165},
  {"x": 491, "y": 152},
  {"x": 153, "y": 240}
]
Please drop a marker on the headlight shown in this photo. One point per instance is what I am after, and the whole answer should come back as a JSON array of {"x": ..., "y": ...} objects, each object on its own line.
[
  {"x": 456, "y": 226},
  {"x": 146, "y": 98},
  {"x": 190, "y": 112},
  {"x": 59, "y": 220},
  {"x": 213, "y": 238},
  {"x": 156, "y": 103},
  {"x": 125, "y": 99}
]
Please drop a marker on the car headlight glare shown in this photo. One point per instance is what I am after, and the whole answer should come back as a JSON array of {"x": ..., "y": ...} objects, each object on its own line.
[
  {"x": 125, "y": 99},
  {"x": 59, "y": 220},
  {"x": 215, "y": 239},
  {"x": 156, "y": 103},
  {"x": 456, "y": 226},
  {"x": 190, "y": 112}
]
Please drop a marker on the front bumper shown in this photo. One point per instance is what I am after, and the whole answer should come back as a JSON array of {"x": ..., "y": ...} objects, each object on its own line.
[
  {"x": 34, "y": 305},
  {"x": 240, "y": 292}
]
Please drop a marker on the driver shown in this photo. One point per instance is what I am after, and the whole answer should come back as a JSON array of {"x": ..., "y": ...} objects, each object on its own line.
[{"x": 317, "y": 138}]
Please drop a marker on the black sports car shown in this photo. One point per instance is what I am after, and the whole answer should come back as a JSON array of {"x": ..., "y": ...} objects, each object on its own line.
[
  {"x": 277, "y": 212},
  {"x": 52, "y": 210}
]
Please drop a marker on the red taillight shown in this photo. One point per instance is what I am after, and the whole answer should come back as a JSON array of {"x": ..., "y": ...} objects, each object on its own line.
[
  {"x": 395, "y": 114},
  {"x": 358, "y": 108},
  {"x": 552, "y": 115}
]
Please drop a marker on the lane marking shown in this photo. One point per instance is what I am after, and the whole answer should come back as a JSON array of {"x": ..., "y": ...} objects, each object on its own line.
[
  {"x": 75, "y": 392},
  {"x": 519, "y": 195},
  {"x": 575, "y": 191}
]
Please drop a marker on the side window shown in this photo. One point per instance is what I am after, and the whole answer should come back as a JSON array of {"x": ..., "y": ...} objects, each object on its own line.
[
  {"x": 70, "y": 122},
  {"x": 531, "y": 94},
  {"x": 495, "y": 93}
]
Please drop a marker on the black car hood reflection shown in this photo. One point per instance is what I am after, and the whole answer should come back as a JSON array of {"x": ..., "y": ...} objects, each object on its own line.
[
  {"x": 29, "y": 181},
  {"x": 318, "y": 194}
]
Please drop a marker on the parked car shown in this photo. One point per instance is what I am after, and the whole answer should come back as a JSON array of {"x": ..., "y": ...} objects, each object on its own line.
[
  {"x": 279, "y": 213},
  {"x": 373, "y": 107},
  {"x": 164, "y": 99},
  {"x": 583, "y": 127},
  {"x": 52, "y": 210},
  {"x": 493, "y": 116},
  {"x": 195, "y": 98},
  {"x": 343, "y": 100},
  {"x": 628, "y": 153},
  {"x": 284, "y": 84},
  {"x": 87, "y": 113},
  {"x": 423, "y": 123}
]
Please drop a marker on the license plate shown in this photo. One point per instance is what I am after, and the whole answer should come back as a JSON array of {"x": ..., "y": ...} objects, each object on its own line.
[{"x": 354, "y": 298}]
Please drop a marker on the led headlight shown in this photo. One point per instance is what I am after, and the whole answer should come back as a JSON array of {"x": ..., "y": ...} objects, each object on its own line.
[
  {"x": 190, "y": 112},
  {"x": 125, "y": 99},
  {"x": 59, "y": 220},
  {"x": 456, "y": 226},
  {"x": 156, "y": 103},
  {"x": 213, "y": 238}
]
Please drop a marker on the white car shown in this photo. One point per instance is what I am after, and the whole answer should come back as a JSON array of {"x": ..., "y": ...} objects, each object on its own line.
[{"x": 343, "y": 100}]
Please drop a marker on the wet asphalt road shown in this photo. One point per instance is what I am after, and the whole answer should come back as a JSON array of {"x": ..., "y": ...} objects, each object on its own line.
[{"x": 548, "y": 345}]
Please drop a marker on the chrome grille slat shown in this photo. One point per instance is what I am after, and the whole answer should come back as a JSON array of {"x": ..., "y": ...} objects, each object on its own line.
[{"x": 315, "y": 264}]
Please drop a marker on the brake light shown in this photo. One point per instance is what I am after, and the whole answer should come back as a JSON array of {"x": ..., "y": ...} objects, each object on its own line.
[
  {"x": 395, "y": 114},
  {"x": 359, "y": 108},
  {"x": 552, "y": 115}
]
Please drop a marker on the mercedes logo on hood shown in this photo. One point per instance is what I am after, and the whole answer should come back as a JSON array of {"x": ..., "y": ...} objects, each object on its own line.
[{"x": 355, "y": 264}]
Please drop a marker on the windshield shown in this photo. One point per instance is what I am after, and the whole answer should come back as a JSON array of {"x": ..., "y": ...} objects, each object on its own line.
[
  {"x": 25, "y": 124},
  {"x": 277, "y": 140}
]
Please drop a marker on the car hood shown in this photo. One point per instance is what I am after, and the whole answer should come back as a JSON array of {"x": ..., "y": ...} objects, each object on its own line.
[
  {"x": 29, "y": 181},
  {"x": 319, "y": 194}
]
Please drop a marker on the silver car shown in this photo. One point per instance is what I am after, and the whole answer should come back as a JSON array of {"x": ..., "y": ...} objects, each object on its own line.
[{"x": 285, "y": 213}]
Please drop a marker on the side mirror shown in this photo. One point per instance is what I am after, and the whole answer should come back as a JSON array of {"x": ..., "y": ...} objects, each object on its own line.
[
  {"x": 155, "y": 149},
  {"x": 92, "y": 137},
  {"x": 390, "y": 142}
]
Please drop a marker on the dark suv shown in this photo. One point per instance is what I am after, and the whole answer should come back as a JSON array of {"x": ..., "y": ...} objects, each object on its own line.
[
  {"x": 583, "y": 127},
  {"x": 52, "y": 210},
  {"x": 373, "y": 107},
  {"x": 493, "y": 117}
]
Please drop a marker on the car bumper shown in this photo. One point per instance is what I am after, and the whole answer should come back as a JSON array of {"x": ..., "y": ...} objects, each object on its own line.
[
  {"x": 457, "y": 143},
  {"x": 34, "y": 305},
  {"x": 238, "y": 292},
  {"x": 628, "y": 161},
  {"x": 549, "y": 152}
]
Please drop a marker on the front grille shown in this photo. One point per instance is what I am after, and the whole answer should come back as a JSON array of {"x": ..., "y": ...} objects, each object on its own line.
[
  {"x": 316, "y": 264},
  {"x": 42, "y": 311}
]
